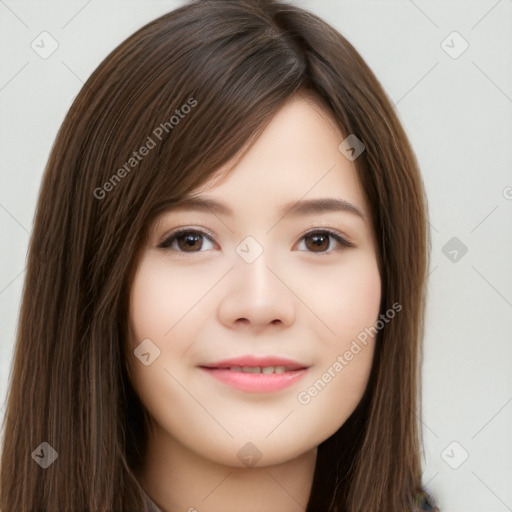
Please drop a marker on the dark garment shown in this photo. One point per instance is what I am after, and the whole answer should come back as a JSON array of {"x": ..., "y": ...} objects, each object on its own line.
[{"x": 423, "y": 502}]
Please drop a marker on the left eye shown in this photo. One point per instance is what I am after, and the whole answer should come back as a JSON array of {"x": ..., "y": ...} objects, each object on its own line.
[
  {"x": 319, "y": 240},
  {"x": 190, "y": 239}
]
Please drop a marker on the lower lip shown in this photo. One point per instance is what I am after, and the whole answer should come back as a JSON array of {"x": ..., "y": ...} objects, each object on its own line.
[{"x": 256, "y": 382}]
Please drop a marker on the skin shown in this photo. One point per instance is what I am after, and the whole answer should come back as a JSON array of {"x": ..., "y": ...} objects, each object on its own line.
[{"x": 296, "y": 300}]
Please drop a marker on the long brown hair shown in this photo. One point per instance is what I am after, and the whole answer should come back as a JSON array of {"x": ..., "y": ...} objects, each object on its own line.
[{"x": 194, "y": 88}]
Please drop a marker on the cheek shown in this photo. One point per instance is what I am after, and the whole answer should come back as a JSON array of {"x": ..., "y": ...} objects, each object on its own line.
[
  {"x": 157, "y": 303},
  {"x": 345, "y": 297},
  {"x": 165, "y": 308},
  {"x": 163, "y": 299},
  {"x": 328, "y": 399},
  {"x": 148, "y": 295},
  {"x": 350, "y": 304},
  {"x": 359, "y": 299}
]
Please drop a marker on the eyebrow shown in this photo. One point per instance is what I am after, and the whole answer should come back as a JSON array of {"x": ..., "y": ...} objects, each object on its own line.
[{"x": 299, "y": 208}]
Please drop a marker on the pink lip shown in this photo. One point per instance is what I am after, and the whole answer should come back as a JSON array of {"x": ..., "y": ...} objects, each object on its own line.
[{"x": 256, "y": 382}]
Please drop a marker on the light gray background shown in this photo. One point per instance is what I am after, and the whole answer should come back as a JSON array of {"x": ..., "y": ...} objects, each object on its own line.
[{"x": 457, "y": 113}]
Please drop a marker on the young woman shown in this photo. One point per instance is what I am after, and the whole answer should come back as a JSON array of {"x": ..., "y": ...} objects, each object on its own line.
[{"x": 223, "y": 305}]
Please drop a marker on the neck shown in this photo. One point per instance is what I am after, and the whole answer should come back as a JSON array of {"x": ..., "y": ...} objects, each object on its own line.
[{"x": 178, "y": 479}]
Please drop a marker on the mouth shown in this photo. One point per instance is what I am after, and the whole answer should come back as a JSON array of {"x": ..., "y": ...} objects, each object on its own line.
[
  {"x": 257, "y": 374},
  {"x": 267, "y": 370}
]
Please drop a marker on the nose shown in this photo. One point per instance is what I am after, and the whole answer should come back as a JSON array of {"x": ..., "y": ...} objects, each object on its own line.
[{"x": 257, "y": 296}]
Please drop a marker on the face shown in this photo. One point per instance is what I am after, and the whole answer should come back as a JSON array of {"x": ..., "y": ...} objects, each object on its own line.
[{"x": 287, "y": 290}]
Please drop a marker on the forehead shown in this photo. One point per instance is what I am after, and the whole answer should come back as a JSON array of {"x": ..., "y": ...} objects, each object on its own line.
[
  {"x": 297, "y": 156},
  {"x": 292, "y": 172}
]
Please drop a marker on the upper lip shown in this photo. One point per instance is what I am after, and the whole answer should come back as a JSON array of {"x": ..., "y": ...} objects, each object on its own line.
[{"x": 261, "y": 361}]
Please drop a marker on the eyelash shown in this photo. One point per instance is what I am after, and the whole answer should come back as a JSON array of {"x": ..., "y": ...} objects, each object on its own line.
[{"x": 165, "y": 244}]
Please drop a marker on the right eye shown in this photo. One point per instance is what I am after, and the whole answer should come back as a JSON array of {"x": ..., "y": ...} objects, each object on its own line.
[{"x": 185, "y": 240}]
